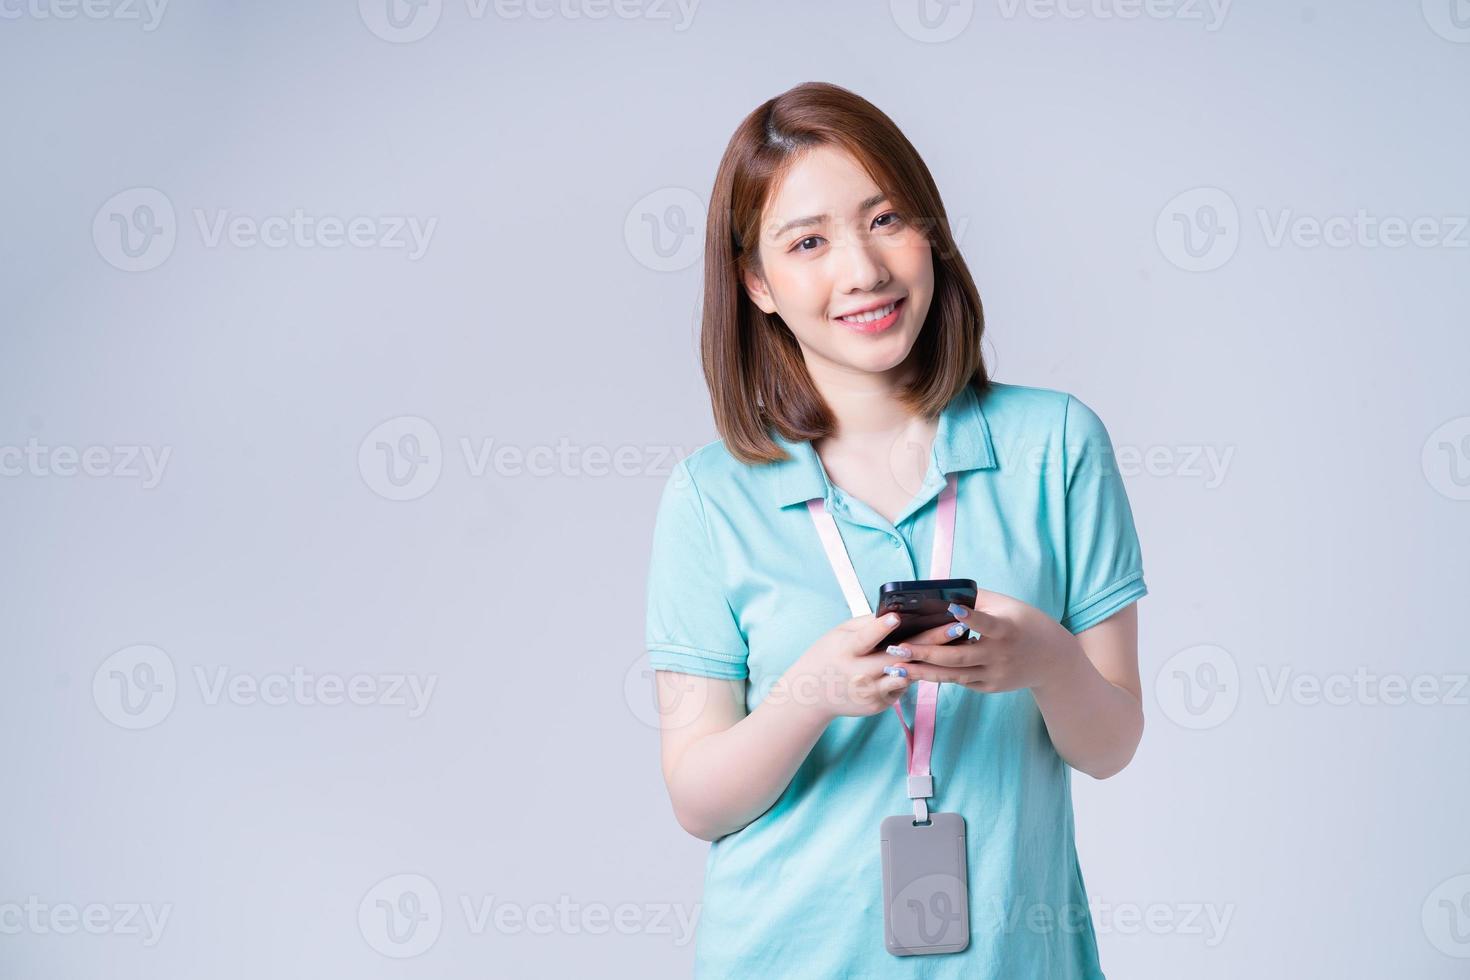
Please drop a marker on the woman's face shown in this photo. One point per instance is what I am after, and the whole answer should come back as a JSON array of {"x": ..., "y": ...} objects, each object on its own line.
[{"x": 831, "y": 245}]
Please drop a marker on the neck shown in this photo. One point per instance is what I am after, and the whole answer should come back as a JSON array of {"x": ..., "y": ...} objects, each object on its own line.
[{"x": 866, "y": 407}]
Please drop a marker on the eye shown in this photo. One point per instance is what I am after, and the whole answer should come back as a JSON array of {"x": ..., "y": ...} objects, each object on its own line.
[
  {"x": 897, "y": 219},
  {"x": 810, "y": 238}
]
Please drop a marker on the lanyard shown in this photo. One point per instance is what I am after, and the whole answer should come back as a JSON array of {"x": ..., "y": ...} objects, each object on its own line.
[{"x": 920, "y": 737}]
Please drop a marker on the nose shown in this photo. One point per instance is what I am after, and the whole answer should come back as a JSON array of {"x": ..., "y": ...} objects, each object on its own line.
[{"x": 860, "y": 265}]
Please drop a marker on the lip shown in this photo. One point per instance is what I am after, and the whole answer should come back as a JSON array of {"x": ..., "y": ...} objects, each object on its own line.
[
  {"x": 876, "y": 326},
  {"x": 875, "y": 305}
]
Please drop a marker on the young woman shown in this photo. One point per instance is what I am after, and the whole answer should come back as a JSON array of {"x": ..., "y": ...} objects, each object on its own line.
[{"x": 841, "y": 346}]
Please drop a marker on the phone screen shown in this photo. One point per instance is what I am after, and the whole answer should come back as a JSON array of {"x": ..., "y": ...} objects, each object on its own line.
[{"x": 923, "y": 604}]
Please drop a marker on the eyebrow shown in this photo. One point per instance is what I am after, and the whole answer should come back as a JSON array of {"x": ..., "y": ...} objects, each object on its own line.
[{"x": 816, "y": 219}]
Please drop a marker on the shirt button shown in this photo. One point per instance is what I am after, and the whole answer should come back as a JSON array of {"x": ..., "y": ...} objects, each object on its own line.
[{"x": 897, "y": 543}]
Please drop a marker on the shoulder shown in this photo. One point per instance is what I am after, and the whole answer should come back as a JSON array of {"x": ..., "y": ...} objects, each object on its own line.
[
  {"x": 1034, "y": 411},
  {"x": 711, "y": 467},
  {"x": 712, "y": 474}
]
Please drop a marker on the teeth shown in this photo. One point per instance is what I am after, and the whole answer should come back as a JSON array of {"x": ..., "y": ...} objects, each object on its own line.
[{"x": 871, "y": 315}]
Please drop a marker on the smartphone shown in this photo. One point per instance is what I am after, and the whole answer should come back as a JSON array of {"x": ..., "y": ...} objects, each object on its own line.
[{"x": 923, "y": 604}]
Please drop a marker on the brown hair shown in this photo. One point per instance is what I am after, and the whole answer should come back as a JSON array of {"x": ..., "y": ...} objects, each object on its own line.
[{"x": 752, "y": 362}]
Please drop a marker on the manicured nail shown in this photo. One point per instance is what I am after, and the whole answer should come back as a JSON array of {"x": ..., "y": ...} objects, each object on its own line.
[
  {"x": 891, "y": 619},
  {"x": 896, "y": 670},
  {"x": 958, "y": 629},
  {"x": 958, "y": 611},
  {"x": 900, "y": 650}
]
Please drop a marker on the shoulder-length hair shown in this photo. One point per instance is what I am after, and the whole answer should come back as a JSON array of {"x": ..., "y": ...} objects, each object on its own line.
[{"x": 752, "y": 362}]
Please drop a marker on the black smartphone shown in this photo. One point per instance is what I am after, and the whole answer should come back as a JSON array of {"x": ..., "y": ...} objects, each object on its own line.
[{"x": 923, "y": 604}]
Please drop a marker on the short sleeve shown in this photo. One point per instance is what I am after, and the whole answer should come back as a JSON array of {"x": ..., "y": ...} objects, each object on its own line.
[
  {"x": 691, "y": 628},
  {"x": 1104, "y": 564}
]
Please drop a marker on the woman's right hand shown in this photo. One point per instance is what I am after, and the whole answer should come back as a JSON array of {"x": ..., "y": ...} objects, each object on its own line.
[{"x": 841, "y": 674}]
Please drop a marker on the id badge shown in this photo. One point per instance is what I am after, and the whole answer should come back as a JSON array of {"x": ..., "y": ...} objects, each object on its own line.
[{"x": 926, "y": 894}]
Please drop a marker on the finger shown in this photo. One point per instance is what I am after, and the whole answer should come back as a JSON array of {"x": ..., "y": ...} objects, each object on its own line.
[
  {"x": 981, "y": 622},
  {"x": 891, "y": 688},
  {"x": 935, "y": 636},
  {"x": 948, "y": 655},
  {"x": 868, "y": 631},
  {"x": 941, "y": 633},
  {"x": 919, "y": 670}
]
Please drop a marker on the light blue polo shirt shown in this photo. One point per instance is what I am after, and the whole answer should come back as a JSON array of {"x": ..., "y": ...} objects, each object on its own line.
[{"x": 739, "y": 586}]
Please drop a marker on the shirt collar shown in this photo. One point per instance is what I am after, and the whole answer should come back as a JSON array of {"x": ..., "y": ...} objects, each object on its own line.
[{"x": 961, "y": 442}]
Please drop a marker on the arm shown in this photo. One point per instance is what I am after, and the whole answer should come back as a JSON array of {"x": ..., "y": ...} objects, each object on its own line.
[
  {"x": 1085, "y": 685},
  {"x": 723, "y": 767},
  {"x": 1093, "y": 703}
]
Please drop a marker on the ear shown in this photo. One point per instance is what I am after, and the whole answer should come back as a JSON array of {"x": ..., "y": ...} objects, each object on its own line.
[{"x": 755, "y": 288}]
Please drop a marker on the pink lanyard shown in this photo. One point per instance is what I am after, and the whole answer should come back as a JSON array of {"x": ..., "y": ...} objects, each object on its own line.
[{"x": 919, "y": 738}]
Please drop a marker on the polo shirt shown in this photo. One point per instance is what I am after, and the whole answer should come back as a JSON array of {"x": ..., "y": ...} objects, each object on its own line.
[{"x": 739, "y": 587}]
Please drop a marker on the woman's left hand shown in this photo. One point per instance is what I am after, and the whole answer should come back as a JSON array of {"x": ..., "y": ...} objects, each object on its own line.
[{"x": 1019, "y": 646}]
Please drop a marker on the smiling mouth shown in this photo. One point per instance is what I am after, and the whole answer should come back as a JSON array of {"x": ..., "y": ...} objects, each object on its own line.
[{"x": 877, "y": 320}]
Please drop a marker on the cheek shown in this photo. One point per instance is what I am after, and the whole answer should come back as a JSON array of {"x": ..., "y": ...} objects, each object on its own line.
[
  {"x": 801, "y": 292},
  {"x": 913, "y": 261}
]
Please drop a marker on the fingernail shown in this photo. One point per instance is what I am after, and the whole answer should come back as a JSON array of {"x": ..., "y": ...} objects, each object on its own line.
[
  {"x": 899, "y": 650},
  {"x": 958, "y": 611},
  {"x": 896, "y": 670},
  {"x": 958, "y": 629},
  {"x": 891, "y": 619}
]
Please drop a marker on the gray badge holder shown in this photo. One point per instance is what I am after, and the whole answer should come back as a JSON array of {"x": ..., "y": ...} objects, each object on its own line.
[{"x": 926, "y": 895}]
